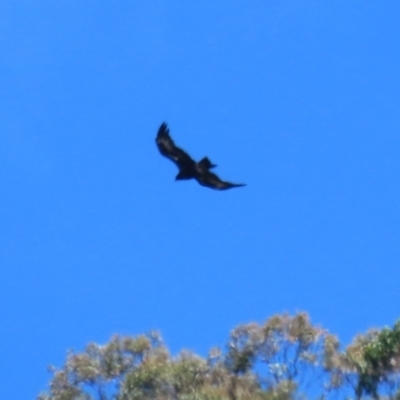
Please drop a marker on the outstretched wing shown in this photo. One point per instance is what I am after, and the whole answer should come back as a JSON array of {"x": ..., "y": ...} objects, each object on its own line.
[
  {"x": 212, "y": 181},
  {"x": 167, "y": 148}
]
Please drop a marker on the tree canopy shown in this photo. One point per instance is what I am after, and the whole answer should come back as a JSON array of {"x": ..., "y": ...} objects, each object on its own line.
[{"x": 282, "y": 359}]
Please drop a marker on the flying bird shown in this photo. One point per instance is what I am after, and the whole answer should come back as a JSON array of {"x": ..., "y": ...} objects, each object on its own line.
[{"x": 188, "y": 168}]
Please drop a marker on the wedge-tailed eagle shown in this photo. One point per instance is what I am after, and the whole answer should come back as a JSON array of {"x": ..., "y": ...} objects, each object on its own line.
[{"x": 188, "y": 168}]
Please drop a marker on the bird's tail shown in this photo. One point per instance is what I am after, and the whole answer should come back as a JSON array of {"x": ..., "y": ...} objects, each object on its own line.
[{"x": 206, "y": 163}]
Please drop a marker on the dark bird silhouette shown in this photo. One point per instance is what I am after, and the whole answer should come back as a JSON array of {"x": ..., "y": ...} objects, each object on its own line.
[{"x": 188, "y": 168}]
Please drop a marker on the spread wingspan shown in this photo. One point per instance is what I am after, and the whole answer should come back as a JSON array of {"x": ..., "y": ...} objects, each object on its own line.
[{"x": 188, "y": 168}]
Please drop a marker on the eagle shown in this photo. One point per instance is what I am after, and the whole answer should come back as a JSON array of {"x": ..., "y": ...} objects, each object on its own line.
[{"x": 188, "y": 168}]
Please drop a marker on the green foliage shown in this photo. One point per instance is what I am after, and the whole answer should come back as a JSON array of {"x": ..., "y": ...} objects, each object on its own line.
[
  {"x": 371, "y": 364},
  {"x": 381, "y": 358},
  {"x": 286, "y": 358}
]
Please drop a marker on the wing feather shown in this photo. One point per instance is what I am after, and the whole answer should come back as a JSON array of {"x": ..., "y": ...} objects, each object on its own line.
[
  {"x": 168, "y": 149},
  {"x": 211, "y": 180}
]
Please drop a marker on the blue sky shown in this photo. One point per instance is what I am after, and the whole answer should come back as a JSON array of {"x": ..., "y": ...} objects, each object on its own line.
[{"x": 298, "y": 99}]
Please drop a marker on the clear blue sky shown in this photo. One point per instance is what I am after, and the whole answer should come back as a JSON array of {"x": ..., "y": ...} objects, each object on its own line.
[{"x": 299, "y": 99}]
